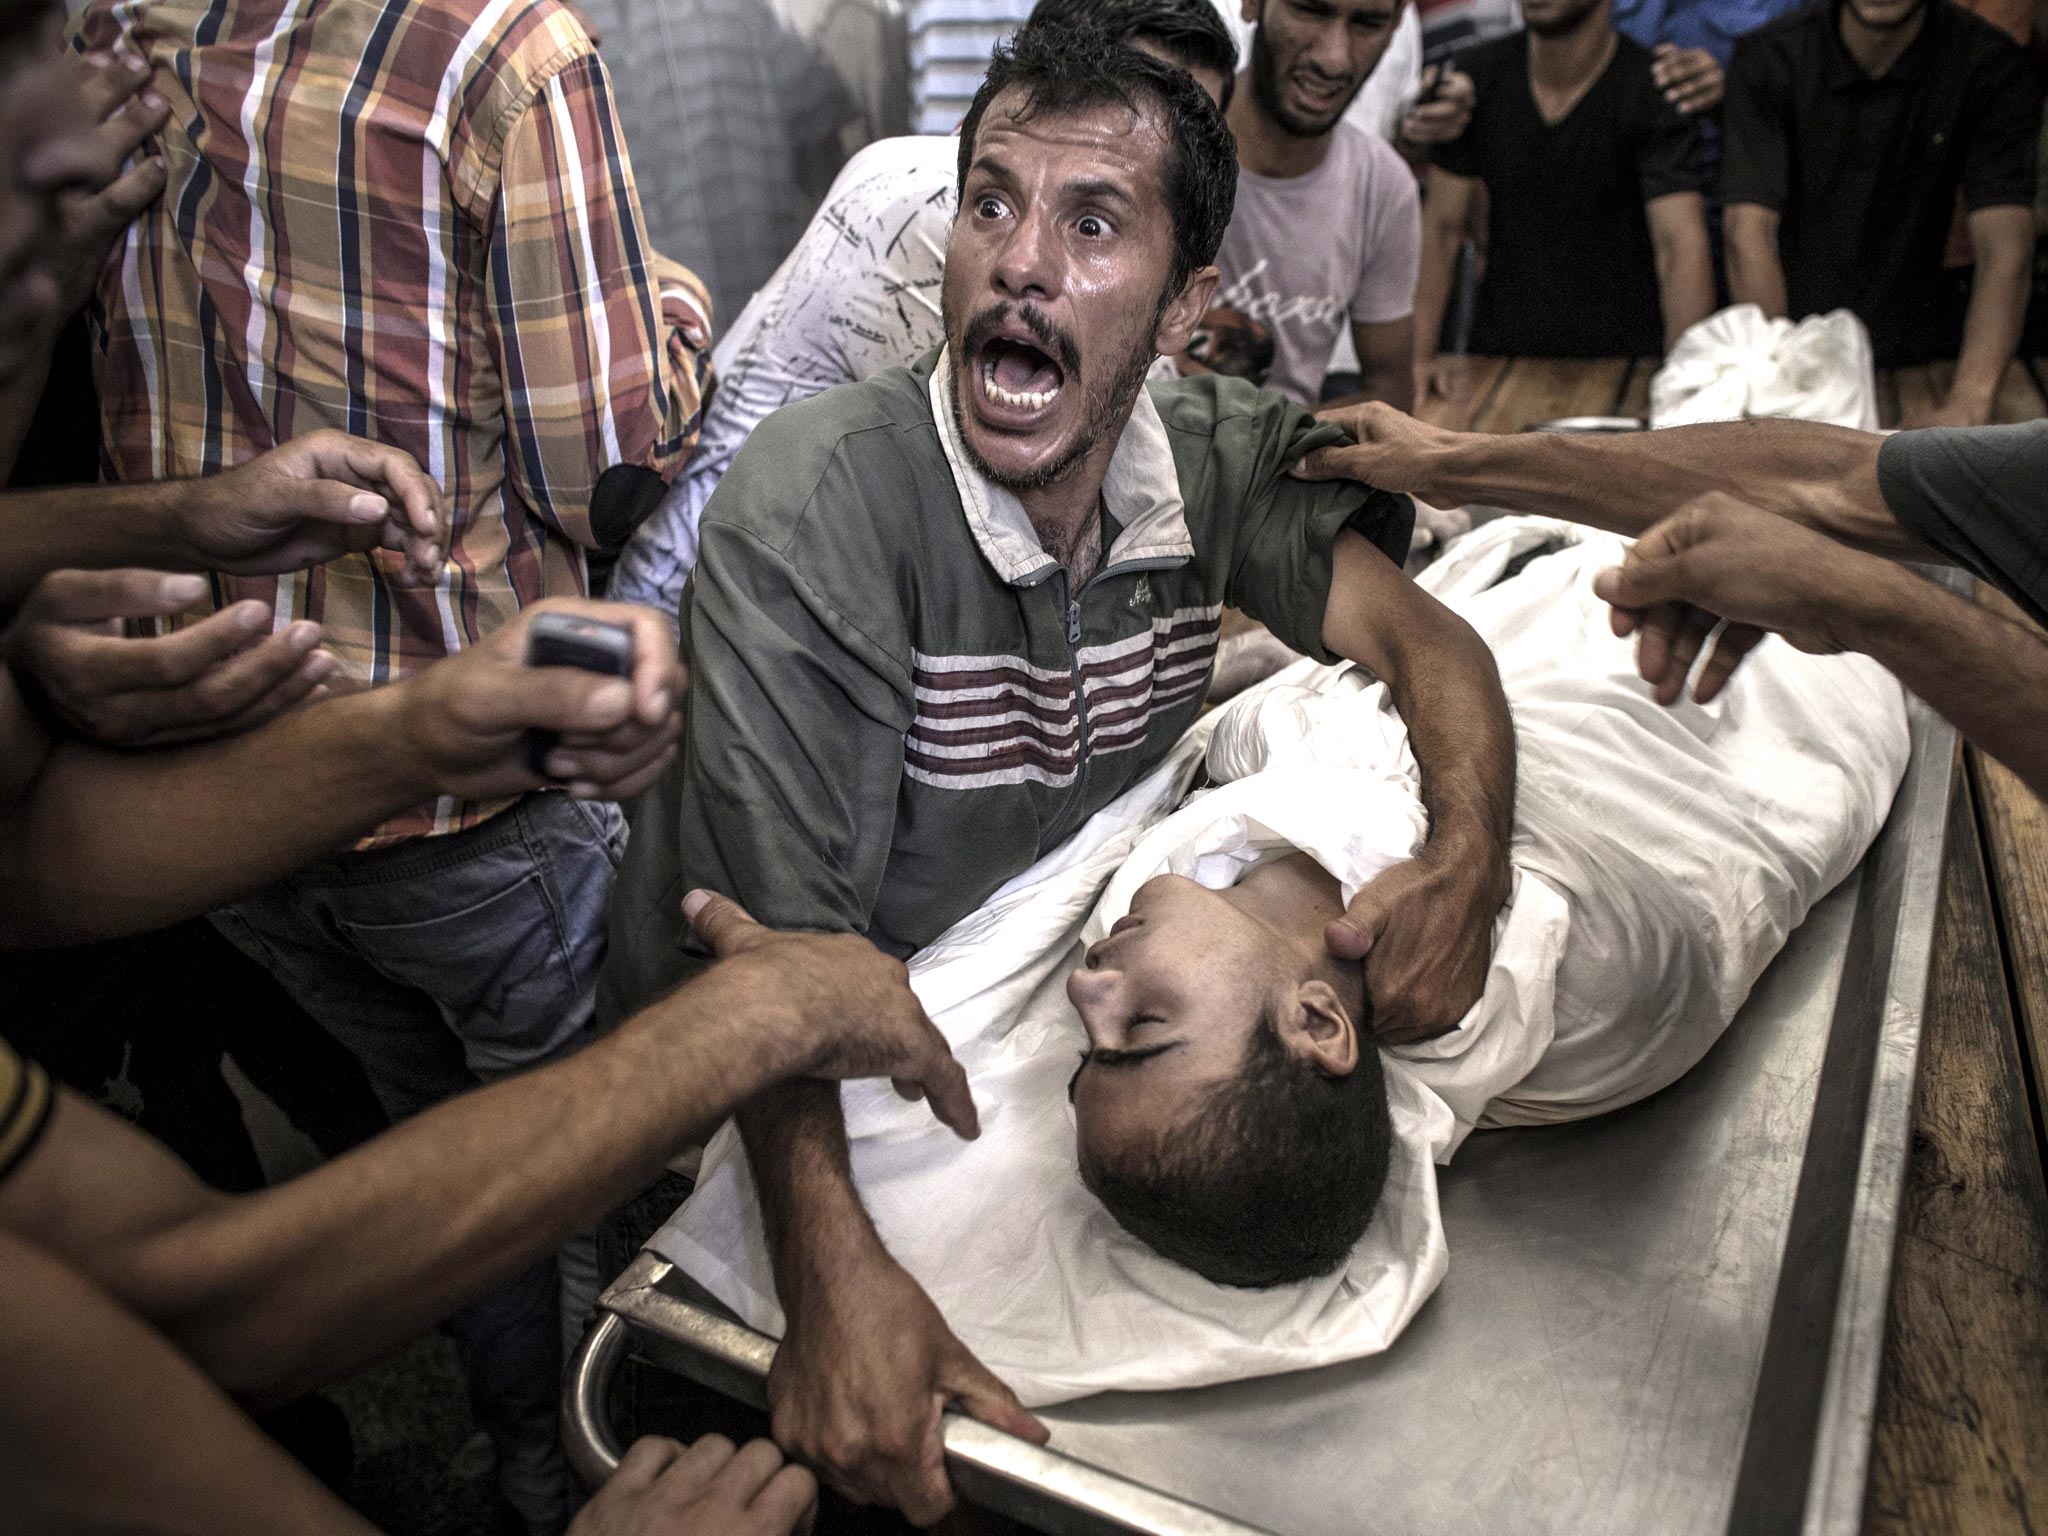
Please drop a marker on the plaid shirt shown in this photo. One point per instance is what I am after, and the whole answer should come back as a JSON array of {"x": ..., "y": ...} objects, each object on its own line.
[{"x": 413, "y": 220}]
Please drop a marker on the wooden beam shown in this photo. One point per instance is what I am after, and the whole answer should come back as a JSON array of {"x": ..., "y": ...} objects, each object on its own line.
[
  {"x": 1538, "y": 389},
  {"x": 1961, "y": 1441},
  {"x": 1478, "y": 378}
]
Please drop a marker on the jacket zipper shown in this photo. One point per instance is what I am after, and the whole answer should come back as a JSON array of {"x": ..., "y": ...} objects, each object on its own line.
[{"x": 1071, "y": 601}]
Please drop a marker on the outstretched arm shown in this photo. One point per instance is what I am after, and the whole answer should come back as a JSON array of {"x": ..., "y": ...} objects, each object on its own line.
[
  {"x": 1822, "y": 477},
  {"x": 277, "y": 1292},
  {"x": 304, "y": 503},
  {"x": 96, "y": 843},
  {"x": 1722, "y": 560},
  {"x": 1425, "y": 928}
]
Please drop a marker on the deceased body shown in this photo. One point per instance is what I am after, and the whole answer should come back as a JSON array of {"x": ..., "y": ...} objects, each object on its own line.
[{"x": 1235, "y": 1181}]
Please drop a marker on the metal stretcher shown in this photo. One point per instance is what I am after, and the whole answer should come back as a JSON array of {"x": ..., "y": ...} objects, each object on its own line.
[{"x": 1668, "y": 1319}]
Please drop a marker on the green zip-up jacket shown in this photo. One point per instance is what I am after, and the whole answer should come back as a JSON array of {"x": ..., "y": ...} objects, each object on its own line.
[{"x": 898, "y": 701}]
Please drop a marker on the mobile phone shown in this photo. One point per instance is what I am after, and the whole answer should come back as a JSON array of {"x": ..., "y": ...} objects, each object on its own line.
[
  {"x": 564, "y": 640},
  {"x": 1435, "y": 78}
]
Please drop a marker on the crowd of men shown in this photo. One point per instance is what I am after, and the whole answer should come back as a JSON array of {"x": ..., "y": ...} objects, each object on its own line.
[{"x": 386, "y": 372}]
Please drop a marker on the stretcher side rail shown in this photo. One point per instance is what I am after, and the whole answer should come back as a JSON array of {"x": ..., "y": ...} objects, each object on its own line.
[{"x": 997, "y": 1471}]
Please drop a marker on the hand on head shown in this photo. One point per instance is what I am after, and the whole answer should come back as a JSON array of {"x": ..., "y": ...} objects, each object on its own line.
[
  {"x": 1716, "y": 559},
  {"x": 221, "y": 676},
  {"x": 1424, "y": 932},
  {"x": 465, "y": 718},
  {"x": 707, "y": 1488},
  {"x": 851, "y": 1009}
]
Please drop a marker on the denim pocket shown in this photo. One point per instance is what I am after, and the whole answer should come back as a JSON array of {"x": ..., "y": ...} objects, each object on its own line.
[{"x": 495, "y": 961}]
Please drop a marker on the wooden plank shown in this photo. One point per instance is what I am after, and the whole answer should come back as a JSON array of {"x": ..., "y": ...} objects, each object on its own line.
[
  {"x": 1963, "y": 1398},
  {"x": 1478, "y": 378},
  {"x": 1544, "y": 388},
  {"x": 2015, "y": 828}
]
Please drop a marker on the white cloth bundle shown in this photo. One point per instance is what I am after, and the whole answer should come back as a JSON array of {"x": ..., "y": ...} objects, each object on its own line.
[
  {"x": 1736, "y": 364},
  {"x": 1661, "y": 856}
]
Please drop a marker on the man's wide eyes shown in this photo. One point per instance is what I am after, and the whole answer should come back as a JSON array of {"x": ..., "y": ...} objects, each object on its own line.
[
  {"x": 989, "y": 208},
  {"x": 1091, "y": 227}
]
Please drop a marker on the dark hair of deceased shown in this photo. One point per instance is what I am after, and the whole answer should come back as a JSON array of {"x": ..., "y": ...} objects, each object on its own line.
[
  {"x": 1064, "y": 69},
  {"x": 1189, "y": 32},
  {"x": 1272, "y": 1179}
]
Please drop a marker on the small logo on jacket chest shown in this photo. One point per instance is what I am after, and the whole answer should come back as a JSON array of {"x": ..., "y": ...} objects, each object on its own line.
[{"x": 1141, "y": 595}]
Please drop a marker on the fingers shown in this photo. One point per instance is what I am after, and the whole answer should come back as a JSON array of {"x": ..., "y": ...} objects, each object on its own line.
[
  {"x": 1352, "y": 936},
  {"x": 564, "y": 699},
  {"x": 644, "y": 1461},
  {"x": 183, "y": 656},
  {"x": 416, "y": 499},
  {"x": 128, "y": 194},
  {"x": 618, "y": 764},
  {"x": 721, "y": 923},
  {"x": 1689, "y": 632},
  {"x": 1735, "y": 642},
  {"x": 744, "y": 1473},
  {"x": 258, "y": 685},
  {"x": 785, "y": 1503},
  {"x": 92, "y": 597},
  {"x": 943, "y": 1083},
  {"x": 394, "y": 492},
  {"x": 917, "y": 1484},
  {"x": 1334, "y": 463},
  {"x": 658, "y": 678},
  {"x": 982, "y": 1395},
  {"x": 107, "y": 80}
]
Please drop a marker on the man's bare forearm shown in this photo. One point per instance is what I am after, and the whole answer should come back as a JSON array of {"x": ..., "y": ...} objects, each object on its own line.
[
  {"x": 795, "y": 1136},
  {"x": 1822, "y": 477},
  {"x": 1449, "y": 695},
  {"x": 278, "y": 1292},
  {"x": 89, "y": 528},
  {"x": 1986, "y": 674},
  {"x": 104, "y": 1426},
  {"x": 105, "y": 843},
  {"x": 1998, "y": 308},
  {"x": 366, "y": 1252}
]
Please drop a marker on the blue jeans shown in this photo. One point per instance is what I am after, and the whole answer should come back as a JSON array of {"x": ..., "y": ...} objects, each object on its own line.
[{"x": 444, "y": 963}]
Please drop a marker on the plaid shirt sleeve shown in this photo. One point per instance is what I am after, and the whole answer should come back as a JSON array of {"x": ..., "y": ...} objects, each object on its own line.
[{"x": 604, "y": 345}]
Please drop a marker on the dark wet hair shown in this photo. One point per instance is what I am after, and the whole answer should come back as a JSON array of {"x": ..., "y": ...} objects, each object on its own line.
[
  {"x": 1189, "y": 32},
  {"x": 1064, "y": 69},
  {"x": 1273, "y": 1176}
]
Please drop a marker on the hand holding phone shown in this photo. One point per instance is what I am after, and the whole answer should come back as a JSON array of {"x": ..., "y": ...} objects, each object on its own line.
[{"x": 567, "y": 640}]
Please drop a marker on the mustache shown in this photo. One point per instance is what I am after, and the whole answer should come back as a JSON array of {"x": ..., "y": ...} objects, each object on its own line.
[{"x": 1057, "y": 344}]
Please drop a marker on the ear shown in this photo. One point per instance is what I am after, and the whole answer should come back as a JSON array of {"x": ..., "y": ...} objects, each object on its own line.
[
  {"x": 1319, "y": 1028},
  {"x": 1183, "y": 314}
]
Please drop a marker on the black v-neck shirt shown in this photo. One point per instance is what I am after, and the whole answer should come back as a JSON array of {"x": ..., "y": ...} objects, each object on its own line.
[
  {"x": 1863, "y": 173},
  {"x": 1570, "y": 271}
]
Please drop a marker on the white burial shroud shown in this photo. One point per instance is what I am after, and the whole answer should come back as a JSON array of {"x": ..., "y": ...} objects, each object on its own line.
[{"x": 1661, "y": 858}]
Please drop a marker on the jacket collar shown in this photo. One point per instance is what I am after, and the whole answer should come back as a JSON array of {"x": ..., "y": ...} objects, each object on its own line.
[{"x": 1141, "y": 491}]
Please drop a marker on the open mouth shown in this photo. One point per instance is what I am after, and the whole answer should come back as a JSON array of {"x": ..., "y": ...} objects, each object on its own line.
[
  {"x": 1018, "y": 375},
  {"x": 1320, "y": 94}
]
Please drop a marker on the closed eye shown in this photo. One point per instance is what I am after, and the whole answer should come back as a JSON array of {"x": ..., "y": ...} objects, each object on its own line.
[{"x": 1111, "y": 1058}]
